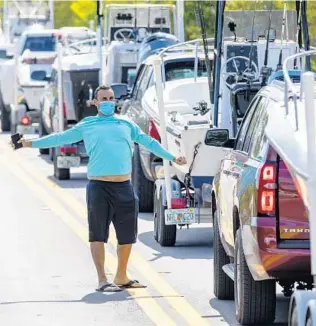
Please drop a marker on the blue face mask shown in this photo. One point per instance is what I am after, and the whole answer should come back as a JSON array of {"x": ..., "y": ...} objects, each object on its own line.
[{"x": 107, "y": 107}]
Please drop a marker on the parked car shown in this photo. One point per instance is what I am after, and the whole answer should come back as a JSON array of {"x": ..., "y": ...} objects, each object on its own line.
[{"x": 261, "y": 229}]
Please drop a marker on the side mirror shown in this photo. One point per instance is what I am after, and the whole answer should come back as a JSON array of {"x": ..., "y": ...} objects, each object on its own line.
[
  {"x": 217, "y": 137},
  {"x": 120, "y": 90}
]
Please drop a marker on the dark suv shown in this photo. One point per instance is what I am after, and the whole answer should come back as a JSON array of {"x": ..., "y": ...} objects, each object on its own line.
[{"x": 261, "y": 230}]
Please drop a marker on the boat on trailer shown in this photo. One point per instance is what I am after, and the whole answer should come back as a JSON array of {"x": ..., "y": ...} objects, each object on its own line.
[{"x": 248, "y": 47}]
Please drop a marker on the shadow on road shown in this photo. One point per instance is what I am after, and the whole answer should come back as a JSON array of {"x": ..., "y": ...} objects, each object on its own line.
[
  {"x": 91, "y": 298},
  {"x": 227, "y": 310},
  {"x": 191, "y": 244}
]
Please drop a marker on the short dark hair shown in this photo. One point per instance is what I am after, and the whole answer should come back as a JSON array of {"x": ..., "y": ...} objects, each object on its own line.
[{"x": 102, "y": 87}]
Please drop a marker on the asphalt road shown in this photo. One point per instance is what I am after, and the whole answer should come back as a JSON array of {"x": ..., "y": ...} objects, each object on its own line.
[{"x": 47, "y": 276}]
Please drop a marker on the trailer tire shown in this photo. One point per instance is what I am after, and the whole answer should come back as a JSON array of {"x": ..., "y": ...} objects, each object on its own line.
[
  {"x": 167, "y": 234},
  {"x": 60, "y": 174},
  {"x": 156, "y": 205},
  {"x": 43, "y": 132},
  {"x": 5, "y": 119},
  {"x": 223, "y": 284},
  {"x": 144, "y": 188},
  {"x": 255, "y": 301}
]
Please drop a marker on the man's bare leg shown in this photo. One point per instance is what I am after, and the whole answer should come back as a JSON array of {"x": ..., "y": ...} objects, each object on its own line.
[
  {"x": 98, "y": 256},
  {"x": 123, "y": 254}
]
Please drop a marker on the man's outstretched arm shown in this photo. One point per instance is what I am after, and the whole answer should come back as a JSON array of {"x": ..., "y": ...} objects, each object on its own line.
[
  {"x": 69, "y": 136},
  {"x": 154, "y": 146}
]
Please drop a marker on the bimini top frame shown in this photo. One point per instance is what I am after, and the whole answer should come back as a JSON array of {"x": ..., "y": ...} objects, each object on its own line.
[
  {"x": 193, "y": 46},
  {"x": 290, "y": 87}
]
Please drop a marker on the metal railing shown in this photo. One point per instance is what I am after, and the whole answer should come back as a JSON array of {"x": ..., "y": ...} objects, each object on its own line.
[{"x": 289, "y": 85}]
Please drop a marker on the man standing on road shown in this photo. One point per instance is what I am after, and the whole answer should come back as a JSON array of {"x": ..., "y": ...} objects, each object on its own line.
[{"x": 108, "y": 139}]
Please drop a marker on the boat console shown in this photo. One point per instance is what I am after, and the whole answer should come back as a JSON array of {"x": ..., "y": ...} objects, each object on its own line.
[{"x": 243, "y": 59}]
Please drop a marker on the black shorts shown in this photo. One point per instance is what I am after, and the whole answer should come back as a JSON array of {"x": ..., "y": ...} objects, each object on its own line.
[{"x": 112, "y": 202}]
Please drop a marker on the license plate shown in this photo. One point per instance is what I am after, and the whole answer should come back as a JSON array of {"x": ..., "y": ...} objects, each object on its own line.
[
  {"x": 25, "y": 129},
  {"x": 66, "y": 162},
  {"x": 180, "y": 216}
]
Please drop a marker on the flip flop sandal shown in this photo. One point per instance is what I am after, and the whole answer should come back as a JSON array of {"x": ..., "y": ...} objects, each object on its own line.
[
  {"x": 109, "y": 288},
  {"x": 130, "y": 285}
]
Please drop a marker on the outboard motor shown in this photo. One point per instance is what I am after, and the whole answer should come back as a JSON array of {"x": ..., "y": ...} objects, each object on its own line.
[{"x": 153, "y": 43}]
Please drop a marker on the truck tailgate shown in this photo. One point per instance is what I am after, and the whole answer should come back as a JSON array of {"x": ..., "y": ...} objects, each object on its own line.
[{"x": 292, "y": 215}]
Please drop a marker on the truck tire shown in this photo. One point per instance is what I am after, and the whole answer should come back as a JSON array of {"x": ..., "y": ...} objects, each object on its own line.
[
  {"x": 5, "y": 119},
  {"x": 255, "y": 301},
  {"x": 144, "y": 188},
  {"x": 223, "y": 284},
  {"x": 43, "y": 132},
  {"x": 167, "y": 234},
  {"x": 60, "y": 174}
]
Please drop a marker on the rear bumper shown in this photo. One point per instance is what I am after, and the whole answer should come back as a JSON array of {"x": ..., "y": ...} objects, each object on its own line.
[{"x": 266, "y": 259}]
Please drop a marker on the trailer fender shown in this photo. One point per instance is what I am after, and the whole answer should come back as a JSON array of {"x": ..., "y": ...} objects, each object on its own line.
[
  {"x": 161, "y": 185},
  {"x": 299, "y": 301}
]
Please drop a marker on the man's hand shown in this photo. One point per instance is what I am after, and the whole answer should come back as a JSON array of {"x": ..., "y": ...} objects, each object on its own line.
[
  {"x": 181, "y": 160},
  {"x": 25, "y": 143}
]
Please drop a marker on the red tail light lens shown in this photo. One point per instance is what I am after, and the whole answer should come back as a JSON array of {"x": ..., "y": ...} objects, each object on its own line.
[
  {"x": 25, "y": 121},
  {"x": 153, "y": 132},
  {"x": 267, "y": 190},
  {"x": 178, "y": 202},
  {"x": 68, "y": 149}
]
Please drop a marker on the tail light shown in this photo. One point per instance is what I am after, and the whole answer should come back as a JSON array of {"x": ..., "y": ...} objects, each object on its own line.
[
  {"x": 267, "y": 189},
  {"x": 68, "y": 149},
  {"x": 153, "y": 132},
  {"x": 178, "y": 203},
  {"x": 25, "y": 121}
]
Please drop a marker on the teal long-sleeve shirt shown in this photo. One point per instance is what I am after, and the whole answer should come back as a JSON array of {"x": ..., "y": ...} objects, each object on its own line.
[{"x": 108, "y": 141}]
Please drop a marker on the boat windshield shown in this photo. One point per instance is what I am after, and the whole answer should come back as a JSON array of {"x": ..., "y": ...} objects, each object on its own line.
[{"x": 184, "y": 69}]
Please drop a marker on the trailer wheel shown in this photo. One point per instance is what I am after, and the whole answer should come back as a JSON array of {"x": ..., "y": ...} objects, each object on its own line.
[
  {"x": 60, "y": 174},
  {"x": 5, "y": 119},
  {"x": 167, "y": 234},
  {"x": 223, "y": 284},
  {"x": 255, "y": 301},
  {"x": 144, "y": 188},
  {"x": 43, "y": 132}
]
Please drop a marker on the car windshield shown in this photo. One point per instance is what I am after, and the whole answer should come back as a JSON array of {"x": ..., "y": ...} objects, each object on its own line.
[
  {"x": 184, "y": 69},
  {"x": 40, "y": 43}
]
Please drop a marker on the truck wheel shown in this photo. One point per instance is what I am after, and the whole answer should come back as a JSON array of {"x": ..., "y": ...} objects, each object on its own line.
[
  {"x": 255, "y": 301},
  {"x": 156, "y": 215},
  {"x": 60, "y": 174},
  {"x": 167, "y": 234},
  {"x": 43, "y": 132},
  {"x": 5, "y": 119},
  {"x": 144, "y": 188},
  {"x": 223, "y": 284}
]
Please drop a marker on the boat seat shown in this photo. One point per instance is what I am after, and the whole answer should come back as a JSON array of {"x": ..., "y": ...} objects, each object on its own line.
[
  {"x": 238, "y": 98},
  {"x": 294, "y": 74},
  {"x": 179, "y": 106}
]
